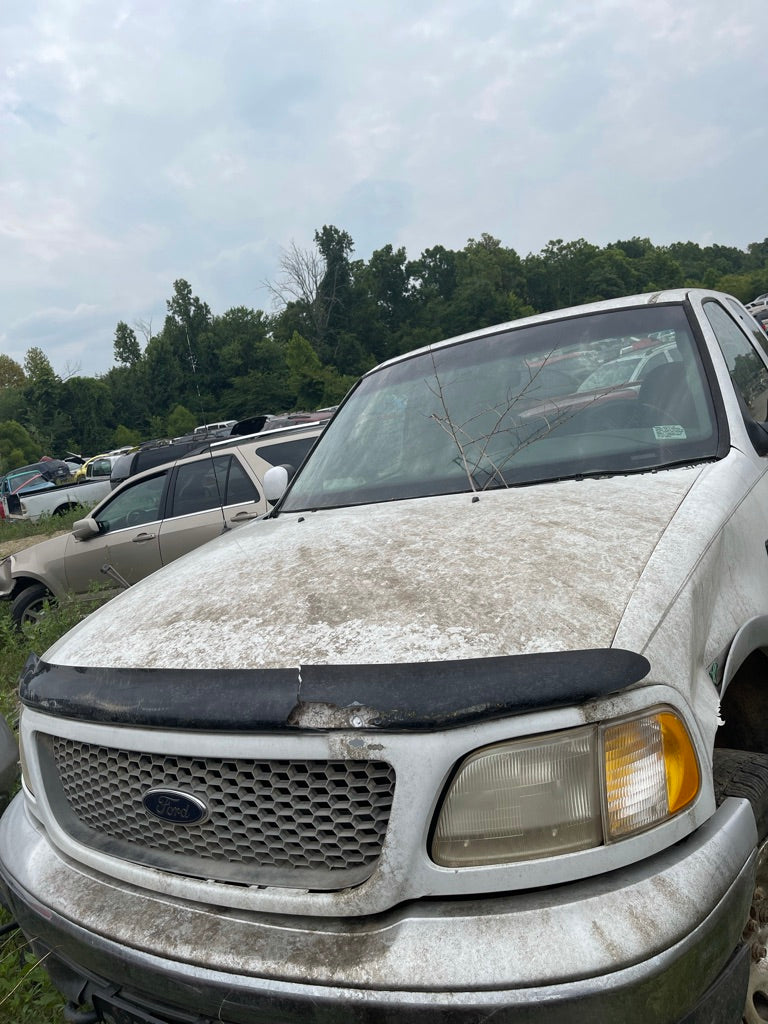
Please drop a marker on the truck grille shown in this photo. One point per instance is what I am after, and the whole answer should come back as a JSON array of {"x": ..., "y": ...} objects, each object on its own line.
[{"x": 310, "y": 824}]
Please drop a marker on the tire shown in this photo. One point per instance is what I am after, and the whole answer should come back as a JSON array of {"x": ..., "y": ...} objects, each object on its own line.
[
  {"x": 743, "y": 773},
  {"x": 28, "y": 607}
]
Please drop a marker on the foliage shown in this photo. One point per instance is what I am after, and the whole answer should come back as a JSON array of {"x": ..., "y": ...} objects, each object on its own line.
[
  {"x": 11, "y": 374},
  {"x": 180, "y": 421},
  {"x": 26, "y": 994},
  {"x": 126, "y": 347},
  {"x": 335, "y": 316},
  {"x": 17, "y": 446},
  {"x": 21, "y": 529}
]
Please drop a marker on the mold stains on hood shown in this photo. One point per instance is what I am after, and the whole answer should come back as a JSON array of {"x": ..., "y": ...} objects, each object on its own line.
[{"x": 549, "y": 567}]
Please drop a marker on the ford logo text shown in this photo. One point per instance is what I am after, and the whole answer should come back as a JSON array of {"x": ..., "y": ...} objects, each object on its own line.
[{"x": 177, "y": 808}]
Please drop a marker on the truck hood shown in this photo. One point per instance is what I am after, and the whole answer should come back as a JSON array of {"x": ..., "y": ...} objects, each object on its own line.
[{"x": 519, "y": 571}]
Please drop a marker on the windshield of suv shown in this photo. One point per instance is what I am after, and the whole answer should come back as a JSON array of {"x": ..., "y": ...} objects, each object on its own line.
[{"x": 543, "y": 402}]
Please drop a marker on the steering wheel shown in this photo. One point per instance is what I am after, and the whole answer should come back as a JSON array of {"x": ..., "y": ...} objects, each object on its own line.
[{"x": 610, "y": 414}]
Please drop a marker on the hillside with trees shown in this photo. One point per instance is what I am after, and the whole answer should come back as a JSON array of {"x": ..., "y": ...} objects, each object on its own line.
[{"x": 334, "y": 317}]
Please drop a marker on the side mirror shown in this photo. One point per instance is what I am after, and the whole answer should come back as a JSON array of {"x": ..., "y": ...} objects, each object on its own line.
[
  {"x": 275, "y": 483},
  {"x": 85, "y": 528}
]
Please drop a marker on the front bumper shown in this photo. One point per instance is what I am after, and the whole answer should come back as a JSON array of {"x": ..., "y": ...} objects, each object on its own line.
[{"x": 657, "y": 943}]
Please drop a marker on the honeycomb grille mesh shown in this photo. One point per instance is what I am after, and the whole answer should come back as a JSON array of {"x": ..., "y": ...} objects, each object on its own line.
[{"x": 270, "y": 821}]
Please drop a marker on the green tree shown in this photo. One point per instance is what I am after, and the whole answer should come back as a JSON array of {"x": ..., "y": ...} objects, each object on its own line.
[
  {"x": 305, "y": 373},
  {"x": 335, "y": 247},
  {"x": 41, "y": 398},
  {"x": 127, "y": 348},
  {"x": 11, "y": 374},
  {"x": 124, "y": 436},
  {"x": 87, "y": 404},
  {"x": 180, "y": 421},
  {"x": 610, "y": 275},
  {"x": 17, "y": 446}
]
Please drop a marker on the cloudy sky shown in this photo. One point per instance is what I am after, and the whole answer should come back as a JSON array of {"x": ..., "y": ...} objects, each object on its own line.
[{"x": 147, "y": 140}]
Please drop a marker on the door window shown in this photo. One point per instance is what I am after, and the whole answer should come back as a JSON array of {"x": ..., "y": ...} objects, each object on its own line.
[
  {"x": 136, "y": 505},
  {"x": 291, "y": 452},
  {"x": 199, "y": 487},
  {"x": 240, "y": 487},
  {"x": 211, "y": 483},
  {"x": 748, "y": 371}
]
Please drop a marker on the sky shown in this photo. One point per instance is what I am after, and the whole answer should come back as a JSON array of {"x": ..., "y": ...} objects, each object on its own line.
[{"x": 142, "y": 141}]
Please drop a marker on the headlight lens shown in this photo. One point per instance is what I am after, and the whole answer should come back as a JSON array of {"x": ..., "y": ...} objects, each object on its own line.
[
  {"x": 566, "y": 791},
  {"x": 650, "y": 772}
]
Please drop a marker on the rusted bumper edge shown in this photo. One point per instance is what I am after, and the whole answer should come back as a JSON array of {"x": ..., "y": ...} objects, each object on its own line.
[{"x": 706, "y": 881}]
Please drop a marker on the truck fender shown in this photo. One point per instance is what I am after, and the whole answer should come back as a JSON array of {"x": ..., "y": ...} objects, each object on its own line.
[{"x": 752, "y": 636}]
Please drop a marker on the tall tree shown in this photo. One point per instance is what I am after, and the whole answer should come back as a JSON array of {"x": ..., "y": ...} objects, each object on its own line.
[
  {"x": 11, "y": 373},
  {"x": 41, "y": 396},
  {"x": 126, "y": 347},
  {"x": 335, "y": 247}
]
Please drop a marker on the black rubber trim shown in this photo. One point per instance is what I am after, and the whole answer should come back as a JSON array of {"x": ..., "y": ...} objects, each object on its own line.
[{"x": 413, "y": 696}]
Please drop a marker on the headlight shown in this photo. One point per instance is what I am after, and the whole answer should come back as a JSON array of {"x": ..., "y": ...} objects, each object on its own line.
[{"x": 566, "y": 791}]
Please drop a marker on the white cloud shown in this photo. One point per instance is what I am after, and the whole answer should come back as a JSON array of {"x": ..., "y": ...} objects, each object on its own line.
[{"x": 143, "y": 142}]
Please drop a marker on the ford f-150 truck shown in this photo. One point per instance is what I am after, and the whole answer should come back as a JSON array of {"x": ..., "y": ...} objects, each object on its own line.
[{"x": 472, "y": 726}]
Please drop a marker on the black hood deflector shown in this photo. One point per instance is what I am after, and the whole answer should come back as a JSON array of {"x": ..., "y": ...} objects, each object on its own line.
[{"x": 416, "y": 696}]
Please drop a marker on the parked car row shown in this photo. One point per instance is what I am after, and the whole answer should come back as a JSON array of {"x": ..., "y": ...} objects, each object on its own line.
[{"x": 151, "y": 519}]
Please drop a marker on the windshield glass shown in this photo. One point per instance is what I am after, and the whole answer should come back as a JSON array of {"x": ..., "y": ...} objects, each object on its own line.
[{"x": 614, "y": 392}]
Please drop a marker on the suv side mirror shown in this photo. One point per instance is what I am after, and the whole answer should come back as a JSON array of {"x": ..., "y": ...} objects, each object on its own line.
[
  {"x": 85, "y": 528},
  {"x": 275, "y": 483}
]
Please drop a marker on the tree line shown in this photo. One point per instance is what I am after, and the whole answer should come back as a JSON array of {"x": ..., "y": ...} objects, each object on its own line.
[{"x": 334, "y": 317}]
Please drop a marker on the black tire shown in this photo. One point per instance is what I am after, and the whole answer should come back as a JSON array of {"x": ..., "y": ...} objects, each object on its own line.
[
  {"x": 29, "y": 606},
  {"x": 743, "y": 773}
]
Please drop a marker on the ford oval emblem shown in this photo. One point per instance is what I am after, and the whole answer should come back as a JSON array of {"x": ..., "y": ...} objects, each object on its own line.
[{"x": 177, "y": 808}]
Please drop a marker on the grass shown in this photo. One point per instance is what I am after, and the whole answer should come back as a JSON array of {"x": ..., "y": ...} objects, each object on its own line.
[
  {"x": 26, "y": 994},
  {"x": 20, "y": 529}
]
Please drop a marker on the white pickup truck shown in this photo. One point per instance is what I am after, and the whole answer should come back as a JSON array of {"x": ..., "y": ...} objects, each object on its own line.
[
  {"x": 54, "y": 501},
  {"x": 471, "y": 727}
]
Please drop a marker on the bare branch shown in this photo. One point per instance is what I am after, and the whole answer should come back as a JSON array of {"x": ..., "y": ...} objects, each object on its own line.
[
  {"x": 551, "y": 413},
  {"x": 144, "y": 327}
]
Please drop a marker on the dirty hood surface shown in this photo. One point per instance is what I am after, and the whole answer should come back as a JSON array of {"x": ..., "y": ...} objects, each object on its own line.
[{"x": 519, "y": 571}]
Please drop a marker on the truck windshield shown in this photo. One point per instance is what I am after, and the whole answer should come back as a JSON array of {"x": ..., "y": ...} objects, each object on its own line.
[{"x": 612, "y": 392}]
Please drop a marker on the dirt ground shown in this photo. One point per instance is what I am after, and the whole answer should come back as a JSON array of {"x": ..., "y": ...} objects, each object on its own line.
[{"x": 10, "y": 547}]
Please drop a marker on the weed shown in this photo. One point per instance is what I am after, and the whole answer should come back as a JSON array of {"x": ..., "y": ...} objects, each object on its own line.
[{"x": 20, "y": 529}]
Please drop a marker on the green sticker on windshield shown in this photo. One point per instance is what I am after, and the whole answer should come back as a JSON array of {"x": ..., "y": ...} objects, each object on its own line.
[{"x": 670, "y": 432}]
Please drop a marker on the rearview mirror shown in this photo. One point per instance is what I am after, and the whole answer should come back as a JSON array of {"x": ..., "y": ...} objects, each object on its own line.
[{"x": 85, "y": 528}]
